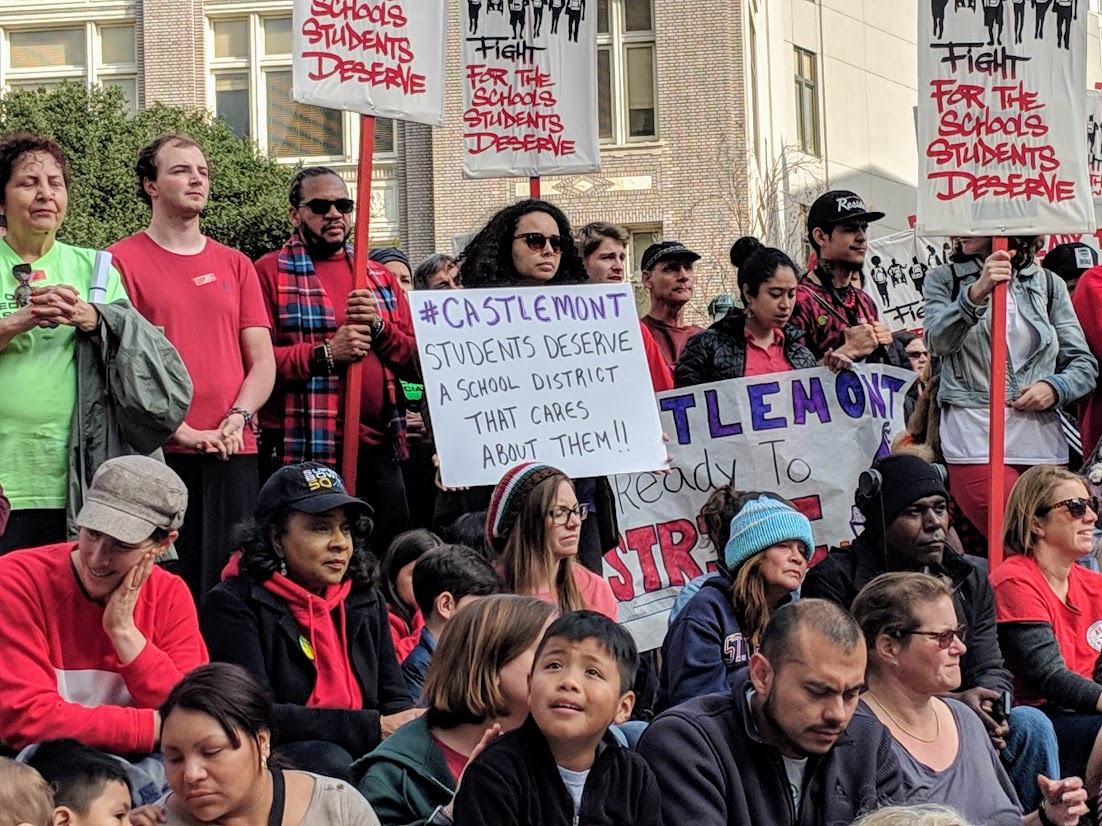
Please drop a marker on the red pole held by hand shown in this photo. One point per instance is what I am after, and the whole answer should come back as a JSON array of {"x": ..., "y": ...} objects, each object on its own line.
[
  {"x": 534, "y": 186},
  {"x": 996, "y": 443},
  {"x": 354, "y": 377}
]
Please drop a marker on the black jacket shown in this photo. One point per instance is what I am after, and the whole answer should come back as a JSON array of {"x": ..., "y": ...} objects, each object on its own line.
[
  {"x": 720, "y": 352},
  {"x": 714, "y": 770},
  {"x": 847, "y": 570},
  {"x": 244, "y": 623},
  {"x": 515, "y": 782}
]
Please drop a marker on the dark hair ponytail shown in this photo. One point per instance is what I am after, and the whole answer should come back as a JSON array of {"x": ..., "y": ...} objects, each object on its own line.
[{"x": 757, "y": 264}]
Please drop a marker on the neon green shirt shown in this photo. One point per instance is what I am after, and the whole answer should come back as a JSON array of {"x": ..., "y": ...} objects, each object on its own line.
[{"x": 38, "y": 382}]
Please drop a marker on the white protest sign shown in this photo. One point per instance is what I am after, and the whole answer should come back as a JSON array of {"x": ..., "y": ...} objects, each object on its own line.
[
  {"x": 806, "y": 435},
  {"x": 525, "y": 374},
  {"x": 529, "y": 88},
  {"x": 1001, "y": 108},
  {"x": 376, "y": 57},
  {"x": 895, "y": 273}
]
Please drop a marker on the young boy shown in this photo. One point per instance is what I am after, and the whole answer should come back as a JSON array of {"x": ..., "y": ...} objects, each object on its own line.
[
  {"x": 444, "y": 580},
  {"x": 90, "y": 788},
  {"x": 25, "y": 798},
  {"x": 562, "y": 766}
]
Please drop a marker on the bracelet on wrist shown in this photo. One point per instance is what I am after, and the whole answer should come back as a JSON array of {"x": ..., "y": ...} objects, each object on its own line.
[{"x": 1042, "y": 815}]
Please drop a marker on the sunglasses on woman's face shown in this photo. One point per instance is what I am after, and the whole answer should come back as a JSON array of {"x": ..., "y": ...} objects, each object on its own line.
[
  {"x": 321, "y": 206},
  {"x": 944, "y": 638},
  {"x": 536, "y": 241},
  {"x": 1077, "y": 507}
]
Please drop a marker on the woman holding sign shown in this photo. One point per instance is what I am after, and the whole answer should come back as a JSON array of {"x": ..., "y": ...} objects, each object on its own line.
[
  {"x": 1049, "y": 364},
  {"x": 757, "y": 340}
]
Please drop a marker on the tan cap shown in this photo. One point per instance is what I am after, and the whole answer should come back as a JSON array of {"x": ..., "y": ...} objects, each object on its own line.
[{"x": 131, "y": 497}]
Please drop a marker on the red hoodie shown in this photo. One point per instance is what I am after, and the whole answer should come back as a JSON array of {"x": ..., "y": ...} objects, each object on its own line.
[{"x": 405, "y": 636}]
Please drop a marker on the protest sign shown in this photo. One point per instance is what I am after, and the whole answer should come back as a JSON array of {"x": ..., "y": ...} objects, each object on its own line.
[
  {"x": 999, "y": 122},
  {"x": 895, "y": 272},
  {"x": 530, "y": 88},
  {"x": 806, "y": 435},
  {"x": 376, "y": 57},
  {"x": 525, "y": 374}
]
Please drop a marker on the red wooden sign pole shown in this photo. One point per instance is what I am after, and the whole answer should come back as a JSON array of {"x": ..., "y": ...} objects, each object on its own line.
[
  {"x": 354, "y": 378},
  {"x": 534, "y": 186},
  {"x": 996, "y": 445}
]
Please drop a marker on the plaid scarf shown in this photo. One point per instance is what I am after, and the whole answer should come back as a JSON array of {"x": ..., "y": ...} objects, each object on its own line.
[{"x": 306, "y": 315}]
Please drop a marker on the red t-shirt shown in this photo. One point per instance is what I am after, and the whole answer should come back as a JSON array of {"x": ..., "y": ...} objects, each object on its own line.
[
  {"x": 763, "y": 360},
  {"x": 660, "y": 376},
  {"x": 456, "y": 761},
  {"x": 202, "y": 302},
  {"x": 670, "y": 340},
  {"x": 1022, "y": 594}
]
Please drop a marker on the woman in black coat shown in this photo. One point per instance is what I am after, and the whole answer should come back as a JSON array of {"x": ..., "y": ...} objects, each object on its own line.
[
  {"x": 301, "y": 615},
  {"x": 754, "y": 341}
]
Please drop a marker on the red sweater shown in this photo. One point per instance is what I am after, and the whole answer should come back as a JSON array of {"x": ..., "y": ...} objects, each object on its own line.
[
  {"x": 59, "y": 674},
  {"x": 1087, "y": 300}
]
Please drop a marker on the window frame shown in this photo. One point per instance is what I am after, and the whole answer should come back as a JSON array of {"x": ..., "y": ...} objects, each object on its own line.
[
  {"x": 807, "y": 88},
  {"x": 617, "y": 42}
]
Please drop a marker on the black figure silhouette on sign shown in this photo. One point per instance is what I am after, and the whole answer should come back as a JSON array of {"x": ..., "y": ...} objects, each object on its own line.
[
  {"x": 917, "y": 273},
  {"x": 1040, "y": 9},
  {"x": 1019, "y": 20},
  {"x": 880, "y": 279},
  {"x": 556, "y": 10},
  {"x": 937, "y": 9},
  {"x": 537, "y": 17},
  {"x": 575, "y": 11},
  {"x": 932, "y": 258},
  {"x": 1065, "y": 11},
  {"x": 897, "y": 273},
  {"x": 516, "y": 17},
  {"x": 473, "y": 8},
  {"x": 993, "y": 19}
]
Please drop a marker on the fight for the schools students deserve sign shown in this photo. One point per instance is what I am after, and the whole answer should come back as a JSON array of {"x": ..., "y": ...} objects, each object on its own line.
[
  {"x": 806, "y": 435},
  {"x": 526, "y": 374},
  {"x": 529, "y": 87},
  {"x": 376, "y": 57},
  {"x": 1001, "y": 109}
]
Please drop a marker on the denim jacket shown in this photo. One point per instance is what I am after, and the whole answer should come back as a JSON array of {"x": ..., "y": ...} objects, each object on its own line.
[{"x": 959, "y": 331}]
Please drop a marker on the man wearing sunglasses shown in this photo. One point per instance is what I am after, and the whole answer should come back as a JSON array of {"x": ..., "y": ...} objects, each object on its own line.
[
  {"x": 907, "y": 529},
  {"x": 320, "y": 325},
  {"x": 668, "y": 276},
  {"x": 206, "y": 298}
]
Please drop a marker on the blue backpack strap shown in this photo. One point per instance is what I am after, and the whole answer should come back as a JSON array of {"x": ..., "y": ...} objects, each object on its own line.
[{"x": 101, "y": 274}]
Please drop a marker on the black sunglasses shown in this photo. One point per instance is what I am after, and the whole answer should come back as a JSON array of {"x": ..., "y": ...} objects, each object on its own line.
[
  {"x": 1076, "y": 507},
  {"x": 536, "y": 241},
  {"x": 321, "y": 206},
  {"x": 22, "y": 273},
  {"x": 944, "y": 638}
]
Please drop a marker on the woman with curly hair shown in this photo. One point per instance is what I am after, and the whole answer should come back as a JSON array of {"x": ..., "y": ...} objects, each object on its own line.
[
  {"x": 526, "y": 244},
  {"x": 300, "y": 614}
]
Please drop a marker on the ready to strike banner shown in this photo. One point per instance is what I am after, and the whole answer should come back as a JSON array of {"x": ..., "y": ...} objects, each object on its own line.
[
  {"x": 376, "y": 57},
  {"x": 1000, "y": 114},
  {"x": 806, "y": 435},
  {"x": 529, "y": 87},
  {"x": 895, "y": 275},
  {"x": 525, "y": 374}
]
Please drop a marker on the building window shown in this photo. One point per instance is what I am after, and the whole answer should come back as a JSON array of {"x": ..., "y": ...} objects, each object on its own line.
[
  {"x": 639, "y": 238},
  {"x": 250, "y": 60},
  {"x": 807, "y": 102},
  {"x": 627, "y": 91},
  {"x": 752, "y": 72},
  {"x": 93, "y": 53}
]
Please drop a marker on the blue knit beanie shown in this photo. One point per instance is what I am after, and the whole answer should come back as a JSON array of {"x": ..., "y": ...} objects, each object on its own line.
[{"x": 761, "y": 523}]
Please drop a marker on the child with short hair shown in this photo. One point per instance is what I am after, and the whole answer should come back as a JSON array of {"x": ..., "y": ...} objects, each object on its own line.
[
  {"x": 25, "y": 798},
  {"x": 562, "y": 766},
  {"x": 444, "y": 580},
  {"x": 90, "y": 788}
]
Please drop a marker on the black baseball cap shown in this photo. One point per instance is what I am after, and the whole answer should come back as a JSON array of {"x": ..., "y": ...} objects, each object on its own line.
[
  {"x": 1070, "y": 260},
  {"x": 666, "y": 249},
  {"x": 308, "y": 487},
  {"x": 836, "y": 206}
]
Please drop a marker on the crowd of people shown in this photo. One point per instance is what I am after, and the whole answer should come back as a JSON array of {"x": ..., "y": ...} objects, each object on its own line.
[{"x": 204, "y": 626}]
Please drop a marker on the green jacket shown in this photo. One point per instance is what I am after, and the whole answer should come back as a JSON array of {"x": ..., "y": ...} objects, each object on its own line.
[
  {"x": 133, "y": 391},
  {"x": 406, "y": 777}
]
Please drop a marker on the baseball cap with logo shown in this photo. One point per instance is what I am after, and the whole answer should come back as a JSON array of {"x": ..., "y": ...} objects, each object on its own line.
[
  {"x": 836, "y": 206},
  {"x": 666, "y": 249},
  {"x": 132, "y": 496},
  {"x": 1070, "y": 260},
  {"x": 308, "y": 487}
]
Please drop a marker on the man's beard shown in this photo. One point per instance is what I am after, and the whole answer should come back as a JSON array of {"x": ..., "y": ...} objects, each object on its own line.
[
  {"x": 768, "y": 712},
  {"x": 318, "y": 246}
]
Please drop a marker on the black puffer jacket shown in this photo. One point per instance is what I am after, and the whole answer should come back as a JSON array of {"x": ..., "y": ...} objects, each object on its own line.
[{"x": 720, "y": 352}]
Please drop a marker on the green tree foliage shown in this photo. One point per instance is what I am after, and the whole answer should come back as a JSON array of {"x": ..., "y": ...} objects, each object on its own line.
[{"x": 248, "y": 197}]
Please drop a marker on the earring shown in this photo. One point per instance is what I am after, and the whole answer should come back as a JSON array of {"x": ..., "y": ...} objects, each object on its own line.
[{"x": 283, "y": 566}]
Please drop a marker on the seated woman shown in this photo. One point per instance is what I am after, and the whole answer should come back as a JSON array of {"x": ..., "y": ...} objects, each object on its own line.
[
  {"x": 476, "y": 687},
  {"x": 216, "y": 737},
  {"x": 714, "y": 635},
  {"x": 396, "y": 582},
  {"x": 302, "y": 616},
  {"x": 755, "y": 340},
  {"x": 914, "y": 647},
  {"x": 1048, "y": 610},
  {"x": 534, "y": 523}
]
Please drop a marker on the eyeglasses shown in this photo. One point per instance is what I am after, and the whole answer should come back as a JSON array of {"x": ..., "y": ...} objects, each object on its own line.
[
  {"x": 536, "y": 241},
  {"x": 1077, "y": 507},
  {"x": 561, "y": 516},
  {"x": 321, "y": 206},
  {"x": 22, "y": 273},
  {"x": 915, "y": 356},
  {"x": 944, "y": 638}
]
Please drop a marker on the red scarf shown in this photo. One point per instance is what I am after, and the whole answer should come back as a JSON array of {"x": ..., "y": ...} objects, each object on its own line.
[{"x": 325, "y": 642}]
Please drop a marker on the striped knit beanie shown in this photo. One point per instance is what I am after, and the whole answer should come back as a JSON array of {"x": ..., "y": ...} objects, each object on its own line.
[
  {"x": 761, "y": 523},
  {"x": 508, "y": 498}
]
